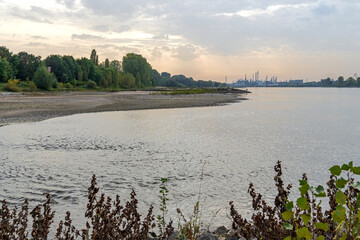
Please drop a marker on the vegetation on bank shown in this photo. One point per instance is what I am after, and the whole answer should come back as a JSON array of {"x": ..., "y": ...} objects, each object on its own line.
[
  {"x": 26, "y": 72},
  {"x": 307, "y": 217}
]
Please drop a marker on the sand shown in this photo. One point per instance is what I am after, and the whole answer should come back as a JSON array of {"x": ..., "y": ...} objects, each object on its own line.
[{"x": 25, "y": 107}]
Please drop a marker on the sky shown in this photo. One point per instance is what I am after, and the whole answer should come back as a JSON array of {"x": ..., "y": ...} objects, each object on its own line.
[{"x": 205, "y": 39}]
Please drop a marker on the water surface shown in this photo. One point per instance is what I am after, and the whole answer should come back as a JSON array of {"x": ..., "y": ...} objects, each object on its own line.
[{"x": 215, "y": 150}]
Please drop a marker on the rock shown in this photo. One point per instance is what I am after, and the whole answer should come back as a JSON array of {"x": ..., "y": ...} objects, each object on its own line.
[
  {"x": 208, "y": 236},
  {"x": 221, "y": 231}
]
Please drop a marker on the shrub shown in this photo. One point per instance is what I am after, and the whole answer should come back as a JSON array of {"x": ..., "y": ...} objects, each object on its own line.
[
  {"x": 91, "y": 84},
  {"x": 32, "y": 86},
  {"x": 43, "y": 79},
  {"x": 11, "y": 85},
  {"x": 68, "y": 86}
]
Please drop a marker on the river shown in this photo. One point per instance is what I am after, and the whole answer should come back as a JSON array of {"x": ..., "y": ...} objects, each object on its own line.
[{"x": 214, "y": 151}]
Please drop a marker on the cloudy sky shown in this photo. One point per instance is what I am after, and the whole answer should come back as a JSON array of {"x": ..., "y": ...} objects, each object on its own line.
[{"x": 205, "y": 39}]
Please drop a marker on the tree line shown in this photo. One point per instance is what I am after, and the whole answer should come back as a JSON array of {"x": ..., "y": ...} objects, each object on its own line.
[
  {"x": 65, "y": 71},
  {"x": 341, "y": 82}
]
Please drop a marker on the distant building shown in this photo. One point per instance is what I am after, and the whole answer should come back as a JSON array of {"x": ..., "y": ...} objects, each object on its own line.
[{"x": 297, "y": 81}]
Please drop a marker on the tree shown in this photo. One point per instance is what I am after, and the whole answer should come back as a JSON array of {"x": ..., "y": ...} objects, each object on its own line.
[
  {"x": 94, "y": 57},
  {"x": 43, "y": 79},
  {"x": 341, "y": 81},
  {"x": 116, "y": 64},
  {"x": 59, "y": 68},
  {"x": 165, "y": 74},
  {"x": 5, "y": 70},
  {"x": 350, "y": 82},
  {"x": 107, "y": 63},
  {"x": 28, "y": 64},
  {"x": 134, "y": 64}
]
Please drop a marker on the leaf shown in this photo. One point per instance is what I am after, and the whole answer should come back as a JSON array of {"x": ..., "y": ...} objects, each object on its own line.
[
  {"x": 345, "y": 167},
  {"x": 339, "y": 214},
  {"x": 340, "y": 183},
  {"x": 322, "y": 226},
  {"x": 302, "y": 203},
  {"x": 287, "y": 238},
  {"x": 303, "y": 182},
  {"x": 340, "y": 197},
  {"x": 303, "y": 233},
  {"x": 306, "y": 218},
  {"x": 303, "y": 189},
  {"x": 350, "y": 164},
  {"x": 356, "y": 170},
  {"x": 287, "y": 215},
  {"x": 320, "y": 191},
  {"x": 289, "y": 206},
  {"x": 321, "y": 237},
  {"x": 343, "y": 237},
  {"x": 288, "y": 226},
  {"x": 335, "y": 170}
]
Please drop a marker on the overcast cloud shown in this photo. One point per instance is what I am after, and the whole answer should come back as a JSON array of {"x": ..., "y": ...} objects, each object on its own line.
[{"x": 292, "y": 39}]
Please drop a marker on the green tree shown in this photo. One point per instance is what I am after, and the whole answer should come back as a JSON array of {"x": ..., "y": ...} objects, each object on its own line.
[
  {"x": 59, "y": 68},
  {"x": 107, "y": 63},
  {"x": 350, "y": 82},
  {"x": 138, "y": 80},
  {"x": 134, "y": 64},
  {"x": 341, "y": 81},
  {"x": 43, "y": 79},
  {"x": 27, "y": 65},
  {"x": 116, "y": 64},
  {"x": 5, "y": 70},
  {"x": 94, "y": 57}
]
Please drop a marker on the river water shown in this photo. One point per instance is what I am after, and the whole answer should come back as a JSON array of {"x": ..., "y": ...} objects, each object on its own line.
[{"x": 216, "y": 151}]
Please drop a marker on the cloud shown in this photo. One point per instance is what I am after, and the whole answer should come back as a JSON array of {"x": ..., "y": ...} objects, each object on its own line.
[
  {"x": 185, "y": 52},
  {"x": 35, "y": 14},
  {"x": 67, "y": 3},
  {"x": 86, "y": 37},
  {"x": 38, "y": 37},
  {"x": 270, "y": 10}
]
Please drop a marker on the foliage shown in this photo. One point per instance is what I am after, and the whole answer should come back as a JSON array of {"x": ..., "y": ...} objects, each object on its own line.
[
  {"x": 43, "y": 79},
  {"x": 138, "y": 67},
  {"x": 5, "y": 70},
  {"x": 32, "y": 86},
  {"x": 163, "y": 206},
  {"x": 304, "y": 218},
  {"x": 91, "y": 84},
  {"x": 11, "y": 85},
  {"x": 27, "y": 66}
]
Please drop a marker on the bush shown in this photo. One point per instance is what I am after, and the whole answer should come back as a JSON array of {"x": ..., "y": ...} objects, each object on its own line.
[
  {"x": 32, "y": 86},
  {"x": 11, "y": 86},
  {"x": 43, "y": 79},
  {"x": 68, "y": 86},
  {"x": 91, "y": 84}
]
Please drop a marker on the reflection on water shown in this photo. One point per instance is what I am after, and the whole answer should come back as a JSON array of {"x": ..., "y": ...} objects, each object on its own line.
[{"x": 309, "y": 130}]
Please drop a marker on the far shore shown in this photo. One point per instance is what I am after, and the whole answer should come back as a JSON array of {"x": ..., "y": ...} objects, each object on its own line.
[{"x": 32, "y": 107}]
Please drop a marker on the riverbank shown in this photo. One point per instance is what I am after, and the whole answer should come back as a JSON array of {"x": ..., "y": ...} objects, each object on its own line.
[{"x": 26, "y": 107}]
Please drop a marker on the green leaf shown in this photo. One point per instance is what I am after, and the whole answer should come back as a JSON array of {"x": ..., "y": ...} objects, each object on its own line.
[
  {"x": 303, "y": 182},
  {"x": 302, "y": 203},
  {"x": 306, "y": 218},
  {"x": 287, "y": 238},
  {"x": 356, "y": 170},
  {"x": 345, "y": 167},
  {"x": 320, "y": 191},
  {"x": 303, "y": 189},
  {"x": 287, "y": 215},
  {"x": 339, "y": 214},
  {"x": 335, "y": 170},
  {"x": 356, "y": 185},
  {"x": 303, "y": 233},
  {"x": 340, "y": 183},
  {"x": 350, "y": 164},
  {"x": 321, "y": 237},
  {"x": 322, "y": 226},
  {"x": 340, "y": 197},
  {"x": 343, "y": 237},
  {"x": 288, "y": 226},
  {"x": 289, "y": 206}
]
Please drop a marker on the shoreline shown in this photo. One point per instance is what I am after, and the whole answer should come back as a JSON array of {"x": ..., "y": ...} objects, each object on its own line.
[{"x": 25, "y": 107}]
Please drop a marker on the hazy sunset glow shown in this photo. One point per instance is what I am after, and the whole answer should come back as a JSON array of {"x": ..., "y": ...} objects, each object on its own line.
[{"x": 304, "y": 39}]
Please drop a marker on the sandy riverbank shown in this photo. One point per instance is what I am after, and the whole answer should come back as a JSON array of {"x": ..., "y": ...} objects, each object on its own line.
[{"x": 19, "y": 107}]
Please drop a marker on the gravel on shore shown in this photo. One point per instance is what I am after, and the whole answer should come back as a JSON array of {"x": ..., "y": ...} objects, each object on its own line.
[{"x": 26, "y": 107}]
